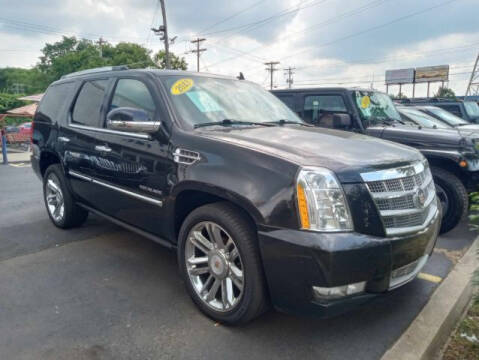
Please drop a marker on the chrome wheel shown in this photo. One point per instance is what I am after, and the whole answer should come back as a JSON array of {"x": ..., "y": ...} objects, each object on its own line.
[
  {"x": 443, "y": 198},
  {"x": 54, "y": 198},
  {"x": 214, "y": 266}
]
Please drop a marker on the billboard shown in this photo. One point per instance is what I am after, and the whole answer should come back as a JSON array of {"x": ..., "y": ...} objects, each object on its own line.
[
  {"x": 432, "y": 73},
  {"x": 401, "y": 76}
]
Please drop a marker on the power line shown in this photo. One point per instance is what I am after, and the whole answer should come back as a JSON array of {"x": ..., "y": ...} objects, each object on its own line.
[
  {"x": 290, "y": 72},
  {"x": 317, "y": 25},
  {"x": 198, "y": 51},
  {"x": 401, "y": 18},
  {"x": 271, "y": 70},
  {"x": 473, "y": 85},
  {"x": 232, "y": 16}
]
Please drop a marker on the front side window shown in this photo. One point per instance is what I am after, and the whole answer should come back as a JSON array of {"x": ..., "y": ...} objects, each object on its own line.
[
  {"x": 375, "y": 107},
  {"x": 447, "y": 117},
  {"x": 423, "y": 119},
  {"x": 454, "y": 109},
  {"x": 316, "y": 105},
  {"x": 87, "y": 108},
  {"x": 133, "y": 94},
  {"x": 200, "y": 99},
  {"x": 472, "y": 109}
]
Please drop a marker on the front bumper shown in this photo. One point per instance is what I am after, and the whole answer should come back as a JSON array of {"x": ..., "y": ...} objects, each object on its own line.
[{"x": 295, "y": 261}]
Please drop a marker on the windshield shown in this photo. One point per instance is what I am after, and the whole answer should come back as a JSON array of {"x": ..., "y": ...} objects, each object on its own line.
[
  {"x": 201, "y": 100},
  {"x": 422, "y": 119},
  {"x": 447, "y": 117},
  {"x": 375, "y": 107},
  {"x": 472, "y": 108}
]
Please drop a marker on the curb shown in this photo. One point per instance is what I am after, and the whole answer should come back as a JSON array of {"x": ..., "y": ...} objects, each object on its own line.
[{"x": 427, "y": 334}]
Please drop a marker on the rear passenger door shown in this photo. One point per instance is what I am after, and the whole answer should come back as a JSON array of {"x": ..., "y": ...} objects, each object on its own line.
[{"x": 79, "y": 138}]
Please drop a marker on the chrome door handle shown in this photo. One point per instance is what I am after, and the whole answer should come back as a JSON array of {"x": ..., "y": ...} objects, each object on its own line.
[
  {"x": 63, "y": 139},
  {"x": 102, "y": 148}
]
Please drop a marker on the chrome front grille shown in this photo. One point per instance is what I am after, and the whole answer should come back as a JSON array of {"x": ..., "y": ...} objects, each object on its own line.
[{"x": 405, "y": 197}]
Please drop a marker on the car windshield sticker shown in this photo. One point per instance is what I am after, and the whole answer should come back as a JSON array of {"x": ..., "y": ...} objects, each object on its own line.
[
  {"x": 365, "y": 102},
  {"x": 203, "y": 101},
  {"x": 181, "y": 86}
]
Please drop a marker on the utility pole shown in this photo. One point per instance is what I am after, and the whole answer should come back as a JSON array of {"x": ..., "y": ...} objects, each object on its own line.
[
  {"x": 100, "y": 43},
  {"x": 198, "y": 51},
  {"x": 271, "y": 69},
  {"x": 162, "y": 31},
  {"x": 473, "y": 86},
  {"x": 290, "y": 72}
]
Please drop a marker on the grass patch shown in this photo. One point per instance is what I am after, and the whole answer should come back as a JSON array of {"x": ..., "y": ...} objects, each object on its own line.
[{"x": 464, "y": 343}]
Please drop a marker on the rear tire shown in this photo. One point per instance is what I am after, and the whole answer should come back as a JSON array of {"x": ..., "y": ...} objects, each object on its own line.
[
  {"x": 453, "y": 196},
  {"x": 61, "y": 207},
  {"x": 233, "y": 272}
]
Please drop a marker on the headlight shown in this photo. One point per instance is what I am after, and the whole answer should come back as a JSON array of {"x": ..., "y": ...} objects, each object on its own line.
[{"x": 321, "y": 201}]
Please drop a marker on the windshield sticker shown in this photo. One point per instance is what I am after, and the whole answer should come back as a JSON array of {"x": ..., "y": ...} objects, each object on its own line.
[
  {"x": 203, "y": 101},
  {"x": 365, "y": 102},
  {"x": 181, "y": 86}
]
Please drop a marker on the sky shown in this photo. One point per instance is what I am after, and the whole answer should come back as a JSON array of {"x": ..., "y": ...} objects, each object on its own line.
[{"x": 328, "y": 42}]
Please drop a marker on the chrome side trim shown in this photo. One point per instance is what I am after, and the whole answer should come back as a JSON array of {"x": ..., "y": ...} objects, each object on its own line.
[
  {"x": 112, "y": 187},
  {"x": 109, "y": 131},
  {"x": 395, "y": 173},
  {"x": 80, "y": 176}
]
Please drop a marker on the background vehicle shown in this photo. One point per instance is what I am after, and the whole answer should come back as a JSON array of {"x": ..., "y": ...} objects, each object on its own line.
[
  {"x": 25, "y": 128},
  {"x": 250, "y": 197},
  {"x": 467, "y": 110},
  {"x": 447, "y": 117},
  {"x": 413, "y": 116},
  {"x": 11, "y": 129},
  {"x": 453, "y": 156}
]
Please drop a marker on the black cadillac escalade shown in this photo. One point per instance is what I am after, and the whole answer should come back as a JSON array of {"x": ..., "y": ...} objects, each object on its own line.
[
  {"x": 453, "y": 155},
  {"x": 260, "y": 207}
]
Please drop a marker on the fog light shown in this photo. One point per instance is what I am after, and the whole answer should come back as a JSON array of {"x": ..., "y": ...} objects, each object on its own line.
[{"x": 324, "y": 293}]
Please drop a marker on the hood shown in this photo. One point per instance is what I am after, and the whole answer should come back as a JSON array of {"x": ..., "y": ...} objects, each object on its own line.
[
  {"x": 468, "y": 130},
  {"x": 345, "y": 153},
  {"x": 422, "y": 137}
]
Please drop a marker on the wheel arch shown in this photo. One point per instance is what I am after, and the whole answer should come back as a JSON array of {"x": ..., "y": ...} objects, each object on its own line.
[
  {"x": 193, "y": 195},
  {"x": 48, "y": 158}
]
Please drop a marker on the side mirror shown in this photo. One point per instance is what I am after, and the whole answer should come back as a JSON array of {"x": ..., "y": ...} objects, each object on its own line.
[
  {"x": 131, "y": 120},
  {"x": 342, "y": 121}
]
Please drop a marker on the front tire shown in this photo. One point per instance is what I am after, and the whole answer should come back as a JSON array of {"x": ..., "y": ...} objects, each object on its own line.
[
  {"x": 61, "y": 207},
  {"x": 220, "y": 264},
  {"x": 453, "y": 197}
]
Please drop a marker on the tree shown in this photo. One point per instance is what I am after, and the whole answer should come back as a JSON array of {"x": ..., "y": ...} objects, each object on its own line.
[
  {"x": 70, "y": 55},
  {"x": 176, "y": 62},
  {"x": 445, "y": 92},
  {"x": 399, "y": 96}
]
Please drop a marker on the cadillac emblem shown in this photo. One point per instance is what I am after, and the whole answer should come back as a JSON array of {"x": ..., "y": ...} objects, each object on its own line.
[{"x": 420, "y": 198}]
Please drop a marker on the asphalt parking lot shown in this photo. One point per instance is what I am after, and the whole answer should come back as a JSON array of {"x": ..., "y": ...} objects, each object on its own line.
[{"x": 101, "y": 292}]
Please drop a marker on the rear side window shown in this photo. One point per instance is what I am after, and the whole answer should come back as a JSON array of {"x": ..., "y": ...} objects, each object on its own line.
[
  {"x": 134, "y": 94},
  {"x": 455, "y": 109},
  {"x": 54, "y": 101},
  {"x": 87, "y": 108}
]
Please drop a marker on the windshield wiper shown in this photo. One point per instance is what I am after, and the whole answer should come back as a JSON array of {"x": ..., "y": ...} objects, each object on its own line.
[
  {"x": 227, "y": 122},
  {"x": 284, "y": 122}
]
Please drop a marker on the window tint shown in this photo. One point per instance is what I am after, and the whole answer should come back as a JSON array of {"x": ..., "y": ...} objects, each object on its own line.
[
  {"x": 88, "y": 105},
  {"x": 455, "y": 109},
  {"x": 314, "y": 105},
  {"x": 134, "y": 94},
  {"x": 288, "y": 100},
  {"x": 53, "y": 101}
]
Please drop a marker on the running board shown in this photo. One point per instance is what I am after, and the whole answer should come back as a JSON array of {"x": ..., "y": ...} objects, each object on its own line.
[{"x": 130, "y": 227}]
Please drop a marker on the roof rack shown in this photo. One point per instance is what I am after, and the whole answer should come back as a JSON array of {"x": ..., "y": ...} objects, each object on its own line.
[{"x": 95, "y": 70}]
